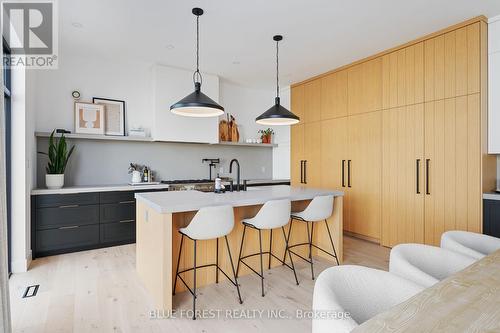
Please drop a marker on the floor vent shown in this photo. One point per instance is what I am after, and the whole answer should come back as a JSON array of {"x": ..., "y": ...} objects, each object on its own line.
[{"x": 31, "y": 291}]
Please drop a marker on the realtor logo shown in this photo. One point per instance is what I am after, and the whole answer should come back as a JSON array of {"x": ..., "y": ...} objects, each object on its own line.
[{"x": 30, "y": 30}]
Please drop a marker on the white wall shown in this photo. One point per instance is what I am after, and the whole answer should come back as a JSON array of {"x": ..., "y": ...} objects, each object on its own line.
[
  {"x": 134, "y": 83},
  {"x": 247, "y": 104},
  {"x": 493, "y": 87}
]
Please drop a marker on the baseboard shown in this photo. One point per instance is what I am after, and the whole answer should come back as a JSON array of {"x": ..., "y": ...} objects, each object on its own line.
[
  {"x": 22, "y": 265},
  {"x": 366, "y": 238}
]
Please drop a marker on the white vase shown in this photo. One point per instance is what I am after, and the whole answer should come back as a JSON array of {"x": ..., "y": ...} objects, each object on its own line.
[
  {"x": 136, "y": 177},
  {"x": 54, "y": 181}
]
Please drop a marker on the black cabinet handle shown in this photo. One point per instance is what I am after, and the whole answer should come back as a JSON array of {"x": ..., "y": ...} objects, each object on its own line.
[
  {"x": 349, "y": 173},
  {"x": 305, "y": 171},
  {"x": 302, "y": 171},
  {"x": 343, "y": 173},
  {"x": 418, "y": 175},
  {"x": 427, "y": 170}
]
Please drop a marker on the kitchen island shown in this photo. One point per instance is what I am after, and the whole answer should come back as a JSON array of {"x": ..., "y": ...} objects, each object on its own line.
[{"x": 160, "y": 215}]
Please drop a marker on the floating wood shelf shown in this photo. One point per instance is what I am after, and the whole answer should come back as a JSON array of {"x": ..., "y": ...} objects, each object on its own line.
[{"x": 141, "y": 139}]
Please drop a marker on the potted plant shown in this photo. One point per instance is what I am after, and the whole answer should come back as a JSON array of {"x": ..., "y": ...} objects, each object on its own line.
[
  {"x": 58, "y": 155},
  {"x": 266, "y": 135}
]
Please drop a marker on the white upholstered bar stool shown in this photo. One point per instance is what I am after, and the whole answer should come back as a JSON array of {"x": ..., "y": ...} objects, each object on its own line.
[
  {"x": 273, "y": 214},
  {"x": 319, "y": 210},
  {"x": 470, "y": 243},
  {"x": 425, "y": 264},
  {"x": 360, "y": 291},
  {"x": 208, "y": 223}
]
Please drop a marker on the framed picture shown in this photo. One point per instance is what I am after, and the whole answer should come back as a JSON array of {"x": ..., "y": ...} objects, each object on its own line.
[
  {"x": 114, "y": 114},
  {"x": 89, "y": 118}
]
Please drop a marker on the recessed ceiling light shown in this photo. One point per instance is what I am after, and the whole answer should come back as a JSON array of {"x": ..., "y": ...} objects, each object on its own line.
[
  {"x": 236, "y": 62},
  {"x": 170, "y": 47},
  {"x": 77, "y": 25}
]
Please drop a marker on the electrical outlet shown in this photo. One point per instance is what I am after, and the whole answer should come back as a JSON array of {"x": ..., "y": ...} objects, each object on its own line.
[
  {"x": 146, "y": 215},
  {"x": 221, "y": 170},
  {"x": 263, "y": 169}
]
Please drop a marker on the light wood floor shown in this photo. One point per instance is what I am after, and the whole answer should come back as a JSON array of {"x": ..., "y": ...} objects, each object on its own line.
[{"x": 99, "y": 291}]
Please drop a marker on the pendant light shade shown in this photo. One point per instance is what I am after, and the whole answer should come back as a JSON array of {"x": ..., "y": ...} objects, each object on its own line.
[
  {"x": 197, "y": 104},
  {"x": 277, "y": 114}
]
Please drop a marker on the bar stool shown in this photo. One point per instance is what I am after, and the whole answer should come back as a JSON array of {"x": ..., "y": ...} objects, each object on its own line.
[
  {"x": 319, "y": 209},
  {"x": 273, "y": 214},
  {"x": 208, "y": 223}
]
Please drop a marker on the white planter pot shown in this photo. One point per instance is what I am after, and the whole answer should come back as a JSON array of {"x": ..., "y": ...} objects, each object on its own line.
[{"x": 54, "y": 181}]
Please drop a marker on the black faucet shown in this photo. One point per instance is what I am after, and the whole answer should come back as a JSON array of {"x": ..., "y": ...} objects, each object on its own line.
[
  {"x": 238, "y": 172},
  {"x": 212, "y": 163}
]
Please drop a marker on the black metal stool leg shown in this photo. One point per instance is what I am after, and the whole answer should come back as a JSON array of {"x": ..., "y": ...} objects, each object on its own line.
[
  {"x": 241, "y": 249},
  {"x": 232, "y": 267},
  {"x": 331, "y": 241},
  {"x": 178, "y": 262},
  {"x": 289, "y": 255},
  {"x": 312, "y": 237},
  {"x": 261, "y": 265},
  {"x": 217, "y": 261},
  {"x": 194, "y": 282},
  {"x": 288, "y": 239},
  {"x": 310, "y": 249},
  {"x": 270, "y": 248}
]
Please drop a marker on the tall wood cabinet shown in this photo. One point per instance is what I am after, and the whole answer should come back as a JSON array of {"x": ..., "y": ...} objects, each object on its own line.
[{"x": 403, "y": 134}]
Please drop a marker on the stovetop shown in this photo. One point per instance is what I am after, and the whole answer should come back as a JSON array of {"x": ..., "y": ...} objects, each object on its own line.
[{"x": 187, "y": 181}]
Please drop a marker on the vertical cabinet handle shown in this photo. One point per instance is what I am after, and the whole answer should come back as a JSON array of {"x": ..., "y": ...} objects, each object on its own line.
[
  {"x": 349, "y": 173},
  {"x": 343, "y": 173},
  {"x": 305, "y": 171},
  {"x": 418, "y": 175},
  {"x": 301, "y": 180},
  {"x": 427, "y": 170}
]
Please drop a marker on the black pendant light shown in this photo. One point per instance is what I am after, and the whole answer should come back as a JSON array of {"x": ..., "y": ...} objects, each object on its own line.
[
  {"x": 197, "y": 104},
  {"x": 277, "y": 114}
]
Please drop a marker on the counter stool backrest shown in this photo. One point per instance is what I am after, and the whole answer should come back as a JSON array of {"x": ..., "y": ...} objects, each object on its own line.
[
  {"x": 273, "y": 214},
  {"x": 320, "y": 208},
  {"x": 211, "y": 223}
]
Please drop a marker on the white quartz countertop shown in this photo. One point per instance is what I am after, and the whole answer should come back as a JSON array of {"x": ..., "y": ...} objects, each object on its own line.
[
  {"x": 491, "y": 196},
  {"x": 98, "y": 188},
  {"x": 185, "y": 201}
]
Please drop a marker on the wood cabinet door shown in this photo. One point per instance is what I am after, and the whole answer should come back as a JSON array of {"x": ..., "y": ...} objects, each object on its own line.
[
  {"x": 364, "y": 82},
  {"x": 402, "y": 175},
  {"x": 453, "y": 157},
  {"x": 334, "y": 95},
  {"x": 312, "y": 153},
  {"x": 365, "y": 156},
  {"x": 296, "y": 154},
  {"x": 312, "y": 101},
  {"x": 334, "y": 149},
  {"x": 297, "y": 101}
]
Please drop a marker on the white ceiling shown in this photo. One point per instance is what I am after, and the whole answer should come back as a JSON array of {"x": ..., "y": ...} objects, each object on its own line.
[{"x": 236, "y": 35}]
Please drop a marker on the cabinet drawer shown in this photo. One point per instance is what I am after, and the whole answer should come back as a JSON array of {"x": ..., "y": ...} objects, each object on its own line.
[
  {"x": 56, "y": 217},
  {"x": 67, "y": 238},
  {"x": 116, "y": 197},
  {"x": 117, "y": 212},
  {"x": 118, "y": 232},
  {"x": 57, "y": 200}
]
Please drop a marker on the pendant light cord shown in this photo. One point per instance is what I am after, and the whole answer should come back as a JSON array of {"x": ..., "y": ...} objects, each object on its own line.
[
  {"x": 277, "y": 71},
  {"x": 197, "y": 74}
]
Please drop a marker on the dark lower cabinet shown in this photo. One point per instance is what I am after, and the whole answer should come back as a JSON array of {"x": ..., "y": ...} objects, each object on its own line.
[
  {"x": 53, "y": 241},
  {"x": 63, "y": 223},
  {"x": 118, "y": 232},
  {"x": 491, "y": 217}
]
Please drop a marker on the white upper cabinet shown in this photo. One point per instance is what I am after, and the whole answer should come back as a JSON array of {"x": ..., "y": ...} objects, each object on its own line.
[
  {"x": 170, "y": 85},
  {"x": 494, "y": 86}
]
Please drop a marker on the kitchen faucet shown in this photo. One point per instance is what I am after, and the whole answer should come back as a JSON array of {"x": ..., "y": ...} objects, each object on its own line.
[
  {"x": 237, "y": 174},
  {"x": 212, "y": 163}
]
